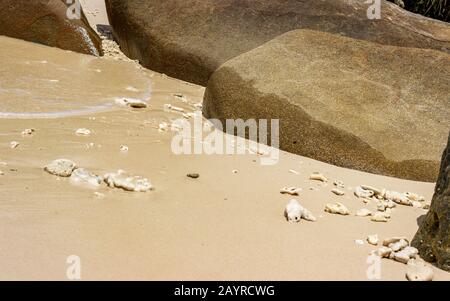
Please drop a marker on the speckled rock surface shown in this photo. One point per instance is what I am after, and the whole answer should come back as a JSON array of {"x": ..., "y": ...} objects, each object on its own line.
[
  {"x": 433, "y": 237},
  {"x": 352, "y": 103},
  {"x": 190, "y": 39}
]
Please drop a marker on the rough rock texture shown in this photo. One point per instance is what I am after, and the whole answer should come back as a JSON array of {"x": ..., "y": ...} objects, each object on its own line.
[
  {"x": 433, "y": 237},
  {"x": 45, "y": 22},
  {"x": 352, "y": 103},
  {"x": 61, "y": 167},
  {"x": 190, "y": 39}
]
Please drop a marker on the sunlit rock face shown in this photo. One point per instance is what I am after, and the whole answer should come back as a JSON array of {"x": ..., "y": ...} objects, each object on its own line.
[
  {"x": 357, "y": 104},
  {"x": 190, "y": 39},
  {"x": 40, "y": 81}
]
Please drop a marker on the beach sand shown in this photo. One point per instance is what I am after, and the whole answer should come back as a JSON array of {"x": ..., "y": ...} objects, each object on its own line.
[{"x": 221, "y": 226}]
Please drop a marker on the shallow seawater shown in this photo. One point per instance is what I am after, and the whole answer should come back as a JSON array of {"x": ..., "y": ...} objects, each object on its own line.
[{"x": 44, "y": 82}]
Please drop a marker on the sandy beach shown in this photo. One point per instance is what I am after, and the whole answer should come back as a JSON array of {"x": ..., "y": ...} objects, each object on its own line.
[{"x": 227, "y": 224}]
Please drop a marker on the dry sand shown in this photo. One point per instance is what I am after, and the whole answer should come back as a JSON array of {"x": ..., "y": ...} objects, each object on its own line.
[{"x": 223, "y": 225}]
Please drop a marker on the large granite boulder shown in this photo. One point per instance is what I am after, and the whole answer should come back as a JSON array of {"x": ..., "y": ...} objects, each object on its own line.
[
  {"x": 433, "y": 237},
  {"x": 352, "y": 103},
  {"x": 190, "y": 39},
  {"x": 46, "y": 22}
]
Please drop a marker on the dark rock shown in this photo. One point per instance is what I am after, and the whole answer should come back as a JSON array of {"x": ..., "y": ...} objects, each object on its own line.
[
  {"x": 433, "y": 237},
  {"x": 45, "y": 22},
  {"x": 352, "y": 103},
  {"x": 190, "y": 39},
  {"x": 193, "y": 175}
]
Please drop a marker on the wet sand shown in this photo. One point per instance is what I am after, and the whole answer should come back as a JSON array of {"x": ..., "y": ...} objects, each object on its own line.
[{"x": 221, "y": 226}]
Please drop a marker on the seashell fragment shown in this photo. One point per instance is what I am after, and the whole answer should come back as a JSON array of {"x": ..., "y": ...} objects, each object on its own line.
[
  {"x": 414, "y": 197},
  {"x": 406, "y": 254},
  {"x": 290, "y": 190},
  {"x": 83, "y": 132},
  {"x": 337, "y": 208},
  {"x": 121, "y": 179},
  {"x": 397, "y": 197},
  {"x": 13, "y": 144},
  {"x": 388, "y": 241},
  {"x": 28, "y": 132},
  {"x": 375, "y": 191},
  {"x": 60, "y": 167},
  {"x": 169, "y": 107},
  {"x": 380, "y": 217},
  {"x": 383, "y": 252},
  {"x": 294, "y": 212},
  {"x": 337, "y": 191},
  {"x": 84, "y": 177},
  {"x": 363, "y": 193},
  {"x": 318, "y": 177},
  {"x": 418, "y": 271},
  {"x": 293, "y": 171},
  {"x": 373, "y": 239}
]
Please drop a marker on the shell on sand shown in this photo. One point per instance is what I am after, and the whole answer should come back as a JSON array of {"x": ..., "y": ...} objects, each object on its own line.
[
  {"x": 337, "y": 208},
  {"x": 13, "y": 144},
  {"x": 83, "y": 132},
  {"x": 373, "y": 239},
  {"x": 414, "y": 197},
  {"x": 318, "y": 177},
  {"x": 290, "y": 190},
  {"x": 383, "y": 252},
  {"x": 28, "y": 132},
  {"x": 337, "y": 191},
  {"x": 61, "y": 167},
  {"x": 375, "y": 191},
  {"x": 380, "y": 217},
  {"x": 399, "y": 245},
  {"x": 169, "y": 107},
  {"x": 360, "y": 192},
  {"x": 294, "y": 212},
  {"x": 84, "y": 177},
  {"x": 406, "y": 254},
  {"x": 121, "y": 179},
  {"x": 397, "y": 197},
  {"x": 388, "y": 241}
]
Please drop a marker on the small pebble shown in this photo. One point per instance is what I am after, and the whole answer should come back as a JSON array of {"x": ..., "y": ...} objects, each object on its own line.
[
  {"x": 373, "y": 239},
  {"x": 193, "y": 175},
  {"x": 83, "y": 132},
  {"x": 28, "y": 132},
  {"x": 14, "y": 144}
]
